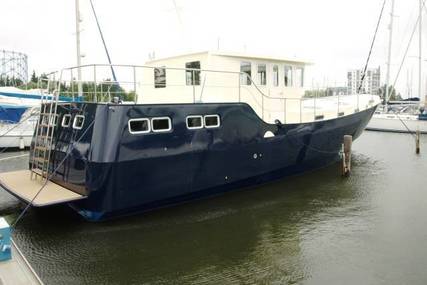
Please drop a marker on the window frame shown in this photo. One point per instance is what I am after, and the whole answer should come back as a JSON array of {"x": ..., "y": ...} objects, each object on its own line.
[
  {"x": 75, "y": 121},
  {"x": 290, "y": 81},
  {"x": 163, "y": 130},
  {"x": 137, "y": 120},
  {"x": 156, "y": 72},
  {"x": 246, "y": 79},
  {"x": 193, "y": 71},
  {"x": 195, "y": 116},
  {"x": 210, "y": 127},
  {"x": 63, "y": 119},
  {"x": 260, "y": 74},
  {"x": 276, "y": 75}
]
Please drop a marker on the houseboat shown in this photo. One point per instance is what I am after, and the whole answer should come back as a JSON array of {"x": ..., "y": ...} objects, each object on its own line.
[{"x": 200, "y": 124}]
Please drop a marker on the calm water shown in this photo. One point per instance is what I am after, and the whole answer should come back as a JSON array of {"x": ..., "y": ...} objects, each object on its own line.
[{"x": 317, "y": 228}]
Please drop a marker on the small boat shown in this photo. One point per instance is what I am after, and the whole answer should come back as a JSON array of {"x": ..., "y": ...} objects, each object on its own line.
[
  {"x": 399, "y": 119},
  {"x": 19, "y": 115},
  {"x": 192, "y": 131}
]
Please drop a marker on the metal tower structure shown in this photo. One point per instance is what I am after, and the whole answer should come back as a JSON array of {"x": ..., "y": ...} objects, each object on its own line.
[{"x": 14, "y": 66}]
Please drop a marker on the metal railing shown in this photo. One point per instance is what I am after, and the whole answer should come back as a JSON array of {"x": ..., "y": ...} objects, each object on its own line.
[{"x": 138, "y": 84}]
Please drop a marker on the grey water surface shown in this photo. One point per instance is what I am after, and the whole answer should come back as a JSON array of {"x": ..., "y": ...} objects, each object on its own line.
[{"x": 315, "y": 228}]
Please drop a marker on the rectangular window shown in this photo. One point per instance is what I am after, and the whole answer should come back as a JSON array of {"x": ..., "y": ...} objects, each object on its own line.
[
  {"x": 262, "y": 74},
  {"x": 192, "y": 76},
  {"x": 245, "y": 73},
  {"x": 161, "y": 124},
  {"x": 66, "y": 120},
  {"x": 299, "y": 76},
  {"x": 212, "y": 121},
  {"x": 288, "y": 76},
  {"x": 275, "y": 75},
  {"x": 78, "y": 122},
  {"x": 139, "y": 126},
  {"x": 159, "y": 77},
  {"x": 194, "y": 122}
]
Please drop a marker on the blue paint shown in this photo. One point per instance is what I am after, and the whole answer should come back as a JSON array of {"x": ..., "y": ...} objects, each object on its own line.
[
  {"x": 32, "y": 96},
  {"x": 121, "y": 173},
  {"x": 11, "y": 113},
  {"x": 5, "y": 242}
]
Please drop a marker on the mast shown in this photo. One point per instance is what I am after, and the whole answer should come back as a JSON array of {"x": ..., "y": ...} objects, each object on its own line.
[
  {"x": 390, "y": 39},
  {"x": 420, "y": 49},
  {"x": 79, "y": 71}
]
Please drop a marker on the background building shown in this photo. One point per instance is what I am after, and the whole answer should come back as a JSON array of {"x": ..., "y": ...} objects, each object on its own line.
[
  {"x": 13, "y": 68},
  {"x": 371, "y": 84}
]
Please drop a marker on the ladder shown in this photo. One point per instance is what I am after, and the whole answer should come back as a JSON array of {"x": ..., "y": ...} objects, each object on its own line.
[{"x": 45, "y": 128}]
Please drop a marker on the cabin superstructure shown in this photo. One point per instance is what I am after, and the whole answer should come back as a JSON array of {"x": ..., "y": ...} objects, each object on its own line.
[{"x": 214, "y": 76}]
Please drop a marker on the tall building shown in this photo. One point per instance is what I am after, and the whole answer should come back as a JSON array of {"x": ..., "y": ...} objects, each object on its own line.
[{"x": 371, "y": 84}]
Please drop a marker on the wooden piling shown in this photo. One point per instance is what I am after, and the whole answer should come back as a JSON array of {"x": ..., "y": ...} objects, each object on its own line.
[
  {"x": 417, "y": 142},
  {"x": 346, "y": 156}
]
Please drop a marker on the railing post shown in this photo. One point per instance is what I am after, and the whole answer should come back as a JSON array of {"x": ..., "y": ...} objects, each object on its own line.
[
  {"x": 262, "y": 106},
  {"x": 72, "y": 84},
  {"x": 314, "y": 105},
  {"x": 338, "y": 104},
  {"x": 300, "y": 110},
  {"x": 95, "y": 99},
  {"x": 135, "y": 99},
  {"x": 239, "y": 78},
  {"x": 358, "y": 102},
  {"x": 284, "y": 110},
  {"x": 193, "y": 81}
]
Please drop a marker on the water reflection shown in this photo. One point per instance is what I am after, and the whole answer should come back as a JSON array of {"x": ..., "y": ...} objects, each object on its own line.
[{"x": 258, "y": 234}]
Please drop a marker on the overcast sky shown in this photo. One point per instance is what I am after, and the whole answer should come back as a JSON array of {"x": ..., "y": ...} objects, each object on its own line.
[{"x": 334, "y": 34}]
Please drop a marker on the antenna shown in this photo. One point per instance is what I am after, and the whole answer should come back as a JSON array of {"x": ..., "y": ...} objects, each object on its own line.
[{"x": 79, "y": 63}]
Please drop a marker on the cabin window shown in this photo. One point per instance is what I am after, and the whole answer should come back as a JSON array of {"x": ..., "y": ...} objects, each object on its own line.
[
  {"x": 192, "y": 77},
  {"x": 139, "y": 126},
  {"x": 262, "y": 74},
  {"x": 245, "y": 73},
  {"x": 78, "y": 122},
  {"x": 194, "y": 122},
  {"x": 275, "y": 75},
  {"x": 66, "y": 120},
  {"x": 288, "y": 76},
  {"x": 299, "y": 76},
  {"x": 161, "y": 124},
  {"x": 212, "y": 121},
  {"x": 159, "y": 77}
]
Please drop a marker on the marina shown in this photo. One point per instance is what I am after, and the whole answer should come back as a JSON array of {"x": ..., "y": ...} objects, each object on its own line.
[{"x": 239, "y": 162}]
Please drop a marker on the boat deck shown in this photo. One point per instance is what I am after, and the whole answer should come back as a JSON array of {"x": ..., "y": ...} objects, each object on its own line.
[
  {"x": 19, "y": 184},
  {"x": 17, "y": 271}
]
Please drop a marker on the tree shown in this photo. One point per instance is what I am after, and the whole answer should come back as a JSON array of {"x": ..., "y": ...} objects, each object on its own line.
[
  {"x": 392, "y": 93},
  {"x": 34, "y": 78}
]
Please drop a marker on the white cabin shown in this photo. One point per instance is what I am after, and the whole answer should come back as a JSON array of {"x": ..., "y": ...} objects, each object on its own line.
[{"x": 218, "y": 79}]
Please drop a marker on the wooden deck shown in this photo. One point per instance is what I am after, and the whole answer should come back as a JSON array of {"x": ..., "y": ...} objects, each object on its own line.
[
  {"x": 19, "y": 184},
  {"x": 17, "y": 271}
]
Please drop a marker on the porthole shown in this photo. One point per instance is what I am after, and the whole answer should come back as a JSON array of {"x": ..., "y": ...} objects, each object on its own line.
[
  {"x": 194, "y": 122},
  {"x": 66, "y": 121},
  {"x": 78, "y": 122},
  {"x": 161, "y": 124},
  {"x": 139, "y": 126},
  {"x": 212, "y": 121}
]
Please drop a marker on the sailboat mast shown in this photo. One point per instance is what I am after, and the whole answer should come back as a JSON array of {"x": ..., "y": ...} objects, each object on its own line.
[
  {"x": 420, "y": 50},
  {"x": 79, "y": 71},
  {"x": 390, "y": 40}
]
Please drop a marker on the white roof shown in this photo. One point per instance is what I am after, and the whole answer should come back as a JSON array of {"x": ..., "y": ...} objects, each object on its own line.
[{"x": 238, "y": 55}]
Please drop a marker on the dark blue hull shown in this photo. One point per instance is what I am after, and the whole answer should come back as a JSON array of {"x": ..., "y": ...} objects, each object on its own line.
[{"x": 123, "y": 173}]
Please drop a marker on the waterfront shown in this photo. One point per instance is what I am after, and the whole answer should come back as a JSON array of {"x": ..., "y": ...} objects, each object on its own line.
[{"x": 317, "y": 228}]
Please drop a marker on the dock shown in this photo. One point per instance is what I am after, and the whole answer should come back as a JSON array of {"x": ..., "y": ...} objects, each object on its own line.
[{"x": 17, "y": 271}]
